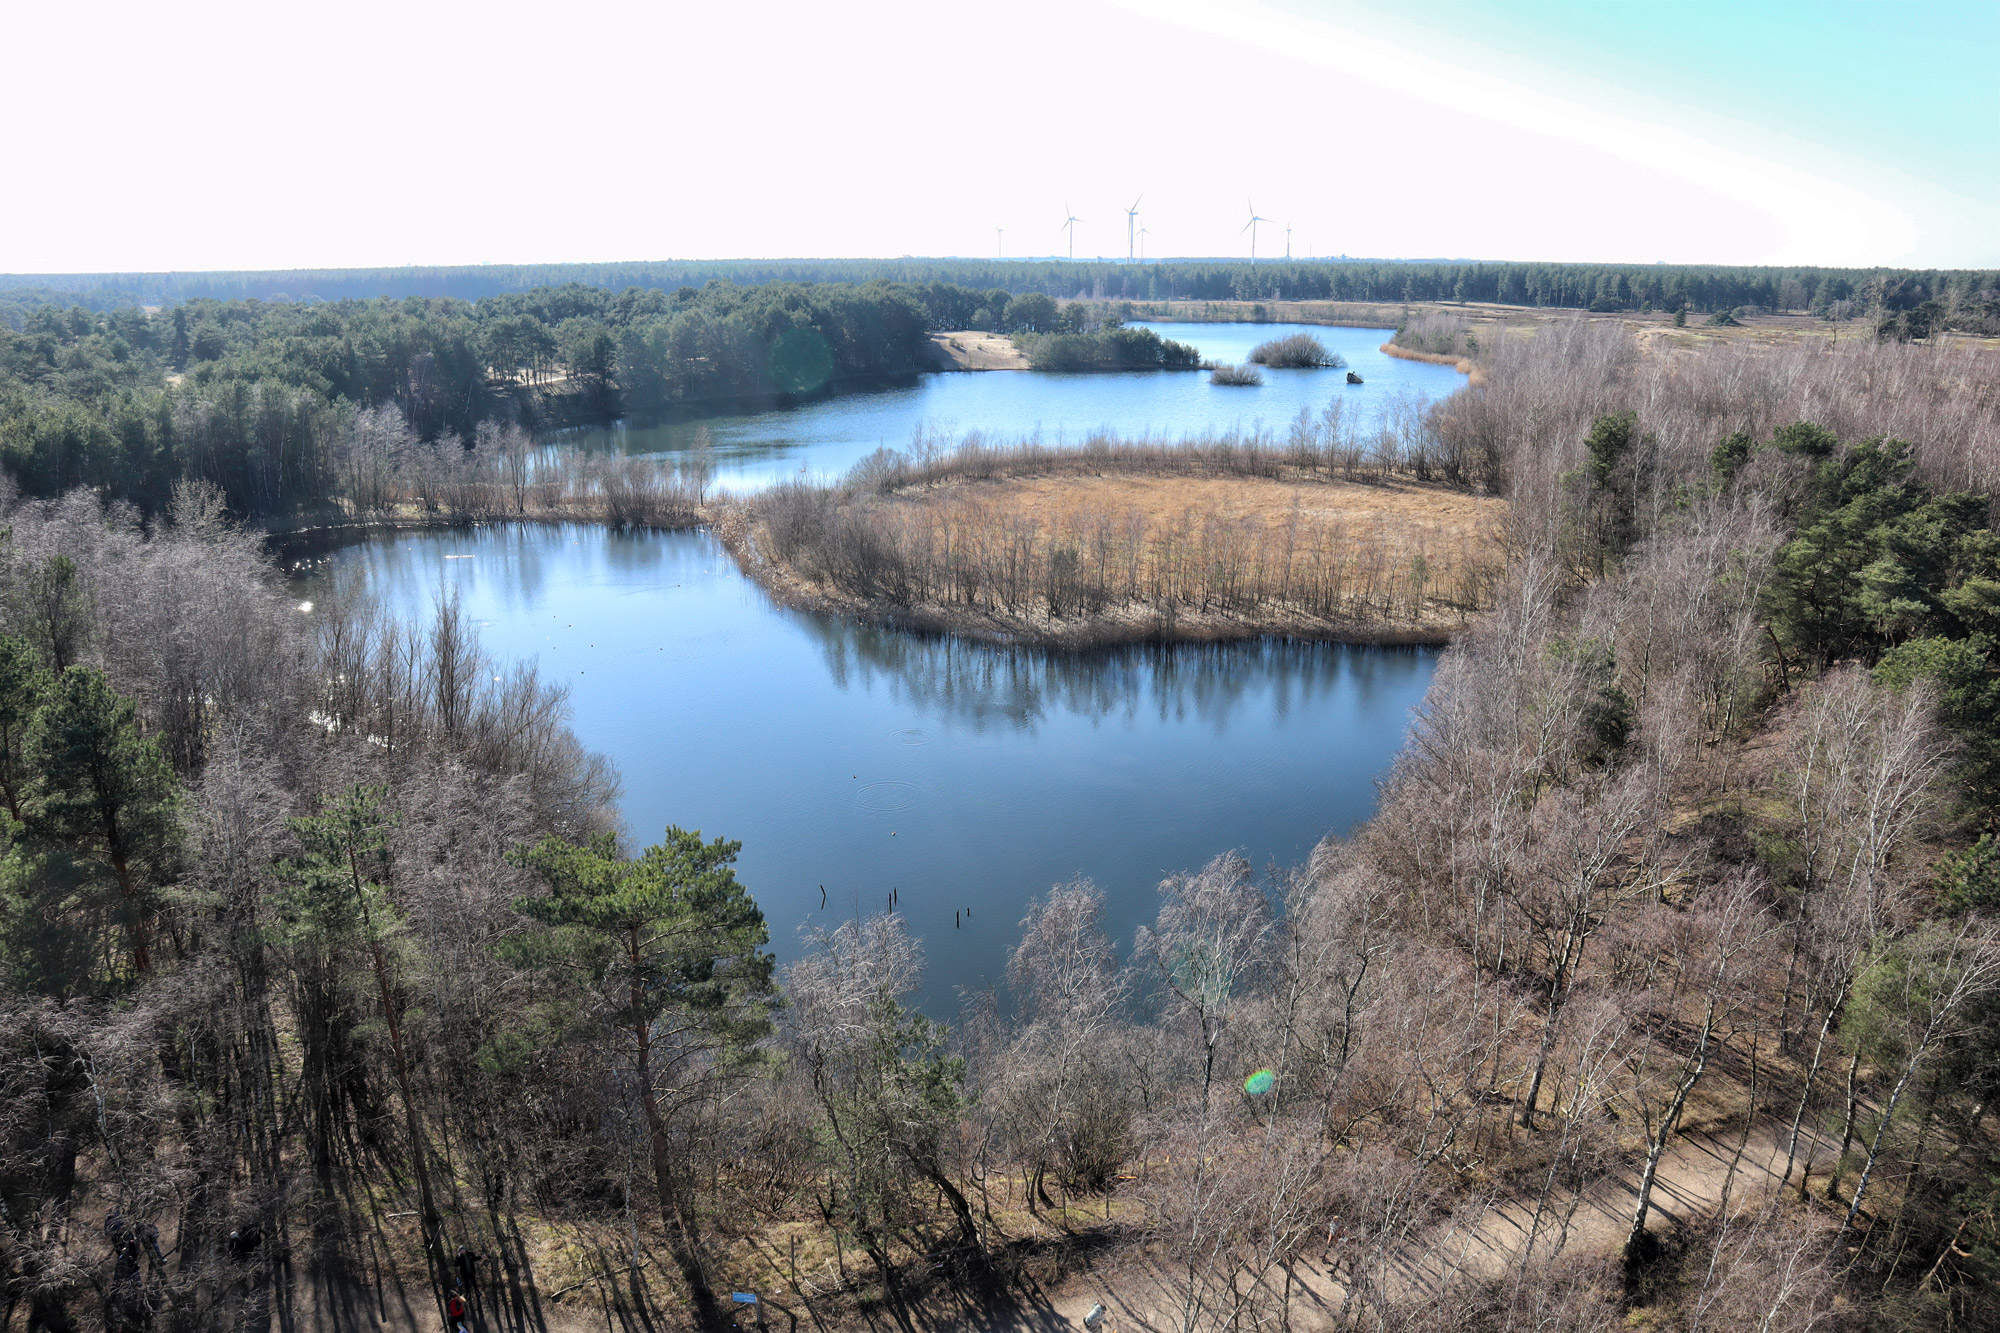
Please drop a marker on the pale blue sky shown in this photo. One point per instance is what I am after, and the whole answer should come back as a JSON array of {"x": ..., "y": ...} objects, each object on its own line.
[
  {"x": 239, "y": 134},
  {"x": 1911, "y": 84}
]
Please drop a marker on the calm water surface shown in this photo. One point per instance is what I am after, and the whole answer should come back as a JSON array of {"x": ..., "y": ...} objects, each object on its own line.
[
  {"x": 969, "y": 778},
  {"x": 825, "y": 438}
]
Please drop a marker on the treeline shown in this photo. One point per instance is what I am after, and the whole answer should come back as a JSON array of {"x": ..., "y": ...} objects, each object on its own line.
[
  {"x": 265, "y": 400},
  {"x": 1966, "y": 298},
  {"x": 316, "y": 965},
  {"x": 1106, "y": 349}
]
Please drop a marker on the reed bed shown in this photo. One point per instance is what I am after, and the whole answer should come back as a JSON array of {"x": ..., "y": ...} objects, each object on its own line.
[
  {"x": 1435, "y": 333},
  {"x": 1402, "y": 441},
  {"x": 1217, "y": 536}
]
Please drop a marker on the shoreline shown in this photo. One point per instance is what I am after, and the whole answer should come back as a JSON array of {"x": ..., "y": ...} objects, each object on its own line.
[
  {"x": 1464, "y": 365},
  {"x": 336, "y": 534},
  {"x": 736, "y": 528}
]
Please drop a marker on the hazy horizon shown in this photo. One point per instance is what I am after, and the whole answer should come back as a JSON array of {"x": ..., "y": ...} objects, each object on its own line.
[{"x": 226, "y": 137}]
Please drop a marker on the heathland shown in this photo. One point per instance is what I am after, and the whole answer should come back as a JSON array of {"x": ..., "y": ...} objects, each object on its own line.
[{"x": 1662, "y": 992}]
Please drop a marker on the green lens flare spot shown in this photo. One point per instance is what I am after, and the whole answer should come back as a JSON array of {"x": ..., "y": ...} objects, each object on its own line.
[{"x": 1259, "y": 1083}]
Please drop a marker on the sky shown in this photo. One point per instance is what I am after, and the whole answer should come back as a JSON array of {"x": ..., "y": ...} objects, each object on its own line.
[{"x": 219, "y": 135}]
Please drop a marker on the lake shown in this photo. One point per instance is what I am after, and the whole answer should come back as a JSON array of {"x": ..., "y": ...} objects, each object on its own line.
[
  {"x": 824, "y": 438},
  {"x": 966, "y": 777}
]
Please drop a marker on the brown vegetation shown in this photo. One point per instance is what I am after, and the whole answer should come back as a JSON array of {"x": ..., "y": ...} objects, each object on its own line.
[
  {"x": 1118, "y": 541},
  {"x": 1297, "y": 351},
  {"x": 389, "y": 475},
  {"x": 1638, "y": 1004},
  {"x": 977, "y": 349}
]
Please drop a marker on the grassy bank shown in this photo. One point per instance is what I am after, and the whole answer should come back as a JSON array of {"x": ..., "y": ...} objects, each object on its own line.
[{"x": 1124, "y": 541}]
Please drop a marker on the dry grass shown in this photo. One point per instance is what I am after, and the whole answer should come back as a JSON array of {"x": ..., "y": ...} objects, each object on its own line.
[
  {"x": 1400, "y": 513},
  {"x": 1463, "y": 365},
  {"x": 976, "y": 349},
  {"x": 1132, "y": 549}
]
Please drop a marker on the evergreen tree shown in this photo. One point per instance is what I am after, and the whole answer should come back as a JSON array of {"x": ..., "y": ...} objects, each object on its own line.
[
  {"x": 22, "y": 684},
  {"x": 673, "y": 947},
  {"x": 104, "y": 790}
]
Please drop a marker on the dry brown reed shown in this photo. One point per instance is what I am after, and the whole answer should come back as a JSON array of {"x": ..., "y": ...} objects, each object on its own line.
[
  {"x": 964, "y": 540},
  {"x": 1436, "y": 334}
]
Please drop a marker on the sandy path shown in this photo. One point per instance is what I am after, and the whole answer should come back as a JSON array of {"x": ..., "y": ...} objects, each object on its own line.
[
  {"x": 972, "y": 349},
  {"x": 1692, "y": 1178}
]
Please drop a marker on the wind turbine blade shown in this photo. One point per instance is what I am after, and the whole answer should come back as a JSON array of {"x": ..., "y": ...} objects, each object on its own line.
[{"x": 1248, "y": 225}]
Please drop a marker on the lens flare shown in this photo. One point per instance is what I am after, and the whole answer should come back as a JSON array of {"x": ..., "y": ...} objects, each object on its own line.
[{"x": 1259, "y": 1083}]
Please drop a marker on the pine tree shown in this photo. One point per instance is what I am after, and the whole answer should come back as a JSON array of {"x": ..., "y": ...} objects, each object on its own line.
[
  {"x": 674, "y": 948},
  {"x": 104, "y": 790}
]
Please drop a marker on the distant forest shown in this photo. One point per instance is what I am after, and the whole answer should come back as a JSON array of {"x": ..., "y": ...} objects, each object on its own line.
[
  {"x": 275, "y": 402},
  {"x": 265, "y": 399},
  {"x": 1962, "y": 295}
]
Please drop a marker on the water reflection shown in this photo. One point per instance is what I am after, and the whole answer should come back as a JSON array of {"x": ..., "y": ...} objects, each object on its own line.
[
  {"x": 984, "y": 686},
  {"x": 825, "y": 437},
  {"x": 962, "y": 776}
]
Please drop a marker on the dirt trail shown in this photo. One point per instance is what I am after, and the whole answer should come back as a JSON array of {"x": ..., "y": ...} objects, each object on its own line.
[{"x": 1694, "y": 1173}]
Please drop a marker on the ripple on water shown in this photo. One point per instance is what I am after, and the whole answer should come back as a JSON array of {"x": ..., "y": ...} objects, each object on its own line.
[
  {"x": 884, "y": 798},
  {"x": 913, "y": 736}
]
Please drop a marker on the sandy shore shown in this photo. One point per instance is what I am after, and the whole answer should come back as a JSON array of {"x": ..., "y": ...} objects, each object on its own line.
[{"x": 975, "y": 349}]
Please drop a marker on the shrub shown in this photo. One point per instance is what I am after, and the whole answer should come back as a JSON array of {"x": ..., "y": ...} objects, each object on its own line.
[
  {"x": 1111, "y": 349},
  {"x": 1239, "y": 375},
  {"x": 1300, "y": 351},
  {"x": 1436, "y": 334}
]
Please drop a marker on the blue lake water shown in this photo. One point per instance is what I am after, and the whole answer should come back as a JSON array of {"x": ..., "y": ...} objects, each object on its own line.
[
  {"x": 825, "y": 438},
  {"x": 966, "y": 777}
]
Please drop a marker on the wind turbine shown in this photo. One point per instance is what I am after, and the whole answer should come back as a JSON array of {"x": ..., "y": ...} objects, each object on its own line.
[
  {"x": 1142, "y": 245},
  {"x": 1130, "y": 215},
  {"x": 1251, "y": 227},
  {"x": 999, "y": 233},
  {"x": 1070, "y": 226},
  {"x": 1288, "y": 242}
]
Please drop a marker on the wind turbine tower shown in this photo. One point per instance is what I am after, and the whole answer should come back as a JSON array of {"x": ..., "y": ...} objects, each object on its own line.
[
  {"x": 1288, "y": 242},
  {"x": 1251, "y": 227},
  {"x": 1070, "y": 226},
  {"x": 999, "y": 235},
  {"x": 1142, "y": 245},
  {"x": 1131, "y": 214}
]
